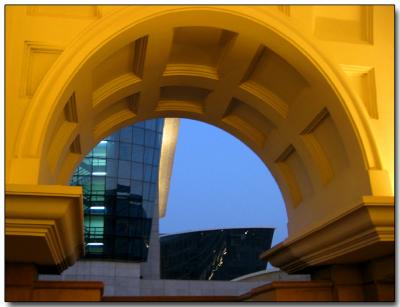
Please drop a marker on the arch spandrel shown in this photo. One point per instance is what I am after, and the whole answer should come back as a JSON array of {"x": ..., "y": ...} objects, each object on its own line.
[{"x": 262, "y": 122}]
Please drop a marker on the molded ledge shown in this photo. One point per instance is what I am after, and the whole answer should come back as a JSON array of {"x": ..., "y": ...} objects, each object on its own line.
[
  {"x": 366, "y": 232},
  {"x": 44, "y": 226}
]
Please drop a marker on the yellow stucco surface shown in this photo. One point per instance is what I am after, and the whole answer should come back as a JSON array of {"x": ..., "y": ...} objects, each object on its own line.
[{"x": 310, "y": 89}]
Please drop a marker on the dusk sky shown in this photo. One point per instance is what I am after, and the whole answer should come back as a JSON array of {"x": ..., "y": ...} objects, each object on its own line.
[{"x": 218, "y": 182}]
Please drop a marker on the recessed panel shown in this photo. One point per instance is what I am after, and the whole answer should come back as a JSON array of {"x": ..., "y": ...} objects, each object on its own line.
[
  {"x": 187, "y": 93},
  {"x": 182, "y": 99},
  {"x": 248, "y": 120},
  {"x": 38, "y": 61},
  {"x": 128, "y": 104},
  {"x": 316, "y": 150},
  {"x": 295, "y": 174},
  {"x": 140, "y": 49},
  {"x": 76, "y": 145},
  {"x": 271, "y": 72},
  {"x": 352, "y": 24},
  {"x": 70, "y": 111},
  {"x": 61, "y": 138},
  {"x": 362, "y": 79},
  {"x": 119, "y": 63},
  {"x": 114, "y": 115},
  {"x": 133, "y": 102},
  {"x": 200, "y": 45},
  {"x": 329, "y": 139},
  {"x": 296, "y": 164},
  {"x": 63, "y": 133}
]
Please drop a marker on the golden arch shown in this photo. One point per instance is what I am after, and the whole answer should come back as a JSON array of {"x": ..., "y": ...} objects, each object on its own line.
[{"x": 212, "y": 64}]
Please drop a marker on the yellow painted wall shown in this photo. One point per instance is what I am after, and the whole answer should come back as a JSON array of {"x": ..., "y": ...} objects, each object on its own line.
[{"x": 326, "y": 133}]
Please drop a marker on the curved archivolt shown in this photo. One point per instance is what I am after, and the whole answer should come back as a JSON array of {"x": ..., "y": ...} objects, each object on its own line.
[{"x": 214, "y": 65}]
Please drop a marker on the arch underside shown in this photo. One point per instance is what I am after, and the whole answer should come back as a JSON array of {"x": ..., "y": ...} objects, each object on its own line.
[{"x": 214, "y": 66}]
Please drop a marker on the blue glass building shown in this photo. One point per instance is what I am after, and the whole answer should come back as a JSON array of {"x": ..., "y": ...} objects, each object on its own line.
[
  {"x": 220, "y": 254},
  {"x": 120, "y": 187}
]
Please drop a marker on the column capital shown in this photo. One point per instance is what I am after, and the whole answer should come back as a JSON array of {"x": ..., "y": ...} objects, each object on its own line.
[{"x": 44, "y": 225}]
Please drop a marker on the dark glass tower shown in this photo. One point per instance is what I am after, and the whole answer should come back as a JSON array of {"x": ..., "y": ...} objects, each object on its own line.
[
  {"x": 221, "y": 254},
  {"x": 120, "y": 187}
]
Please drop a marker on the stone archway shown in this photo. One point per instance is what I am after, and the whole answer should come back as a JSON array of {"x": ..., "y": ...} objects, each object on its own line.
[
  {"x": 244, "y": 71},
  {"x": 308, "y": 143}
]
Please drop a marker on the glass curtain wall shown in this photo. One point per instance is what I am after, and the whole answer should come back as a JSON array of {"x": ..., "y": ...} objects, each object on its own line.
[
  {"x": 221, "y": 254},
  {"x": 120, "y": 189}
]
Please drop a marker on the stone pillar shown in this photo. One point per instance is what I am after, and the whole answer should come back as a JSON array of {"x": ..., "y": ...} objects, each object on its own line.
[
  {"x": 347, "y": 281},
  {"x": 379, "y": 279},
  {"x": 21, "y": 285},
  {"x": 19, "y": 281},
  {"x": 370, "y": 281}
]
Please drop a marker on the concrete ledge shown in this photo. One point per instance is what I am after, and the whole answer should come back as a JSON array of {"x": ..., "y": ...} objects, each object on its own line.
[
  {"x": 271, "y": 292},
  {"x": 171, "y": 298},
  {"x": 272, "y": 275},
  {"x": 48, "y": 222},
  {"x": 361, "y": 234}
]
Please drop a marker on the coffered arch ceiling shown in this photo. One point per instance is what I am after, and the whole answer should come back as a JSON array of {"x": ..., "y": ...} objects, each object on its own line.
[{"x": 248, "y": 74}]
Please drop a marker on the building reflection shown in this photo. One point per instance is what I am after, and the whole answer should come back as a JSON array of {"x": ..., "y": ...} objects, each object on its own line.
[
  {"x": 221, "y": 254},
  {"x": 120, "y": 184}
]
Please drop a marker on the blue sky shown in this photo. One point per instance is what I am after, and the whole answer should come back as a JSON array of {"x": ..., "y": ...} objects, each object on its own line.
[{"x": 218, "y": 182}]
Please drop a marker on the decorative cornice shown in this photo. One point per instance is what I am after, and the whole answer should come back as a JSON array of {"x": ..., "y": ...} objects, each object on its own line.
[
  {"x": 44, "y": 225},
  {"x": 180, "y": 105},
  {"x": 191, "y": 70},
  {"x": 121, "y": 84},
  {"x": 360, "y": 234}
]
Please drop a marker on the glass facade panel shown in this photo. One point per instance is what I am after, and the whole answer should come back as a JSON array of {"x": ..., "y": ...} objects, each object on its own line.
[
  {"x": 112, "y": 150},
  {"x": 125, "y": 151},
  {"x": 99, "y": 151},
  {"x": 150, "y": 138},
  {"x": 126, "y": 135},
  {"x": 112, "y": 168},
  {"x": 151, "y": 125},
  {"x": 124, "y": 169},
  {"x": 111, "y": 183},
  {"x": 154, "y": 175},
  {"x": 148, "y": 155},
  {"x": 137, "y": 153},
  {"x": 147, "y": 172},
  {"x": 137, "y": 171},
  {"x": 122, "y": 182},
  {"x": 221, "y": 254},
  {"x": 152, "y": 196},
  {"x": 146, "y": 190},
  {"x": 119, "y": 200},
  {"x": 113, "y": 137},
  {"x": 137, "y": 187},
  {"x": 138, "y": 136}
]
